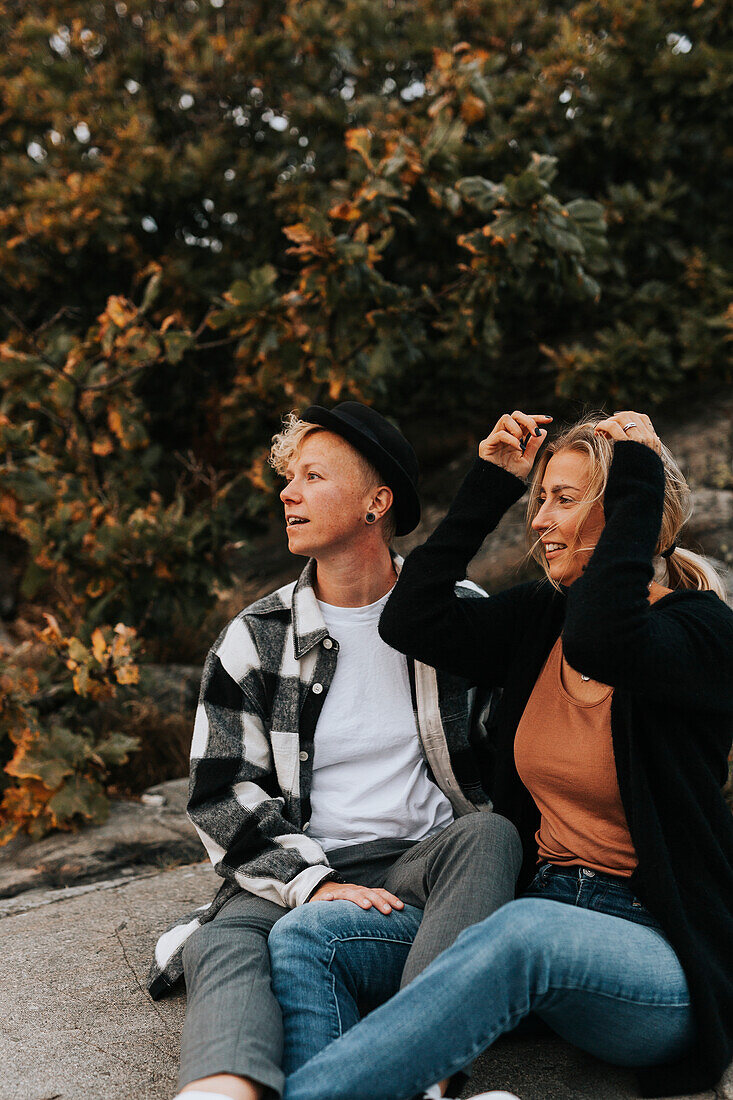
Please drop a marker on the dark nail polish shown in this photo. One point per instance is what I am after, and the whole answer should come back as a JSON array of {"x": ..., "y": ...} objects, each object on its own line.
[{"x": 537, "y": 431}]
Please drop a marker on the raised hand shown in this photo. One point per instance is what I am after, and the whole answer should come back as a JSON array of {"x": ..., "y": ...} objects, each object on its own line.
[
  {"x": 631, "y": 425},
  {"x": 514, "y": 441}
]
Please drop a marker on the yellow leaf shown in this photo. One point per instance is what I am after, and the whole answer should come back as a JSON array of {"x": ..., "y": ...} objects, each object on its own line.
[
  {"x": 81, "y": 681},
  {"x": 438, "y": 104},
  {"x": 360, "y": 140},
  {"x": 346, "y": 211},
  {"x": 98, "y": 645},
  {"x": 115, "y": 422},
  {"x": 298, "y": 233},
  {"x": 128, "y": 674},
  {"x": 103, "y": 446},
  {"x": 119, "y": 311},
  {"x": 472, "y": 109}
]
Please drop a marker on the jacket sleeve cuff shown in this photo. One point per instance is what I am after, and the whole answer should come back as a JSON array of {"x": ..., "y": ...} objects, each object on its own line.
[{"x": 303, "y": 886}]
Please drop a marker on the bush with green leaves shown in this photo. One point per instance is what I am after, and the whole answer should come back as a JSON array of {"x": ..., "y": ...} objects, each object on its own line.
[{"x": 212, "y": 215}]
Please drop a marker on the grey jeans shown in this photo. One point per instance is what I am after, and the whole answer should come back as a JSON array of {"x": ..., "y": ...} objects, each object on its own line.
[{"x": 233, "y": 1022}]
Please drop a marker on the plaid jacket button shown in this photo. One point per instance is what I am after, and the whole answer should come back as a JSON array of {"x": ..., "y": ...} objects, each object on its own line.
[
  {"x": 327, "y": 643},
  {"x": 302, "y": 755},
  {"x": 317, "y": 689}
]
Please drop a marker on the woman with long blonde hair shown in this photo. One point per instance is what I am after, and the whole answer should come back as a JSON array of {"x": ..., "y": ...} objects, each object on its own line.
[{"x": 608, "y": 753}]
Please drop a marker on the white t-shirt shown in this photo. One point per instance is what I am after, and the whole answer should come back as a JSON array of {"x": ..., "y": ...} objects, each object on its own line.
[{"x": 370, "y": 780}]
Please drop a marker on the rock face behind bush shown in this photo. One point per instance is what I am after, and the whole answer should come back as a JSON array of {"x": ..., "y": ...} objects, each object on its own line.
[{"x": 152, "y": 833}]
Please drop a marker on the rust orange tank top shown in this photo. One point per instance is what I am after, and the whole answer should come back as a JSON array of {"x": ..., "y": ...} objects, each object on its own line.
[{"x": 564, "y": 756}]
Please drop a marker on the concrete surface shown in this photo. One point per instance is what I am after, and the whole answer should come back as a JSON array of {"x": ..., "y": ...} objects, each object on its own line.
[{"x": 77, "y": 1024}]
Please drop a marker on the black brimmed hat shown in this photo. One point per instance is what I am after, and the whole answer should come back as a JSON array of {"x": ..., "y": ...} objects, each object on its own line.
[{"x": 372, "y": 435}]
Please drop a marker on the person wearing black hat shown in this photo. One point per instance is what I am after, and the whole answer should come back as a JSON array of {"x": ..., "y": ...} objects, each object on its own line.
[
  {"x": 328, "y": 773},
  {"x": 384, "y": 446}
]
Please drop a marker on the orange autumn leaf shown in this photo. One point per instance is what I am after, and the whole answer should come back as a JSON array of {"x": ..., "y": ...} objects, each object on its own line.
[
  {"x": 127, "y": 674},
  {"x": 299, "y": 233},
  {"x": 8, "y": 508},
  {"x": 346, "y": 211},
  {"x": 360, "y": 140},
  {"x": 99, "y": 646},
  {"x": 120, "y": 311},
  {"x": 472, "y": 109},
  {"x": 103, "y": 446},
  {"x": 115, "y": 422},
  {"x": 96, "y": 587}
]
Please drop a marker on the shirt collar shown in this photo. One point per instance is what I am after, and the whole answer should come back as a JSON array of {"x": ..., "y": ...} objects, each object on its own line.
[
  {"x": 300, "y": 599},
  {"x": 308, "y": 626}
]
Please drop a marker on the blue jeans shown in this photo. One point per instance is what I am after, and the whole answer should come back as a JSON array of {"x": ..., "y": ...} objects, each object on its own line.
[
  {"x": 337, "y": 964},
  {"x": 578, "y": 950},
  {"x": 332, "y": 961}
]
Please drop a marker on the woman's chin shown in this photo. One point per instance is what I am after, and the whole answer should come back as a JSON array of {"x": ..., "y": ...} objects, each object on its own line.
[{"x": 560, "y": 573}]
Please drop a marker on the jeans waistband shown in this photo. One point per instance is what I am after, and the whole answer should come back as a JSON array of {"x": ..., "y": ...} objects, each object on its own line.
[
  {"x": 589, "y": 889},
  {"x": 576, "y": 871}
]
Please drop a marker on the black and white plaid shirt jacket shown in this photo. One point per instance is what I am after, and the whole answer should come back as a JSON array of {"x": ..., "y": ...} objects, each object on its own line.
[{"x": 264, "y": 683}]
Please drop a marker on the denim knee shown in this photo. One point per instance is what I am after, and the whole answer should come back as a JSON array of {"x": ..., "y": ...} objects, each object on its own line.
[
  {"x": 314, "y": 922},
  {"x": 516, "y": 936}
]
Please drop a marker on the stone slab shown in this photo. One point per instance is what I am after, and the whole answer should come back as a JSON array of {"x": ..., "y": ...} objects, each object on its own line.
[
  {"x": 155, "y": 833},
  {"x": 77, "y": 1024}
]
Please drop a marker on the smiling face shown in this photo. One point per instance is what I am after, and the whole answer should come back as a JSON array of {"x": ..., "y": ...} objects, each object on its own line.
[
  {"x": 567, "y": 528},
  {"x": 326, "y": 497}
]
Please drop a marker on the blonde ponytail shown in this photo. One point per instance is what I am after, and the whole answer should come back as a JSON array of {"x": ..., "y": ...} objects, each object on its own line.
[
  {"x": 686, "y": 569},
  {"x": 682, "y": 568}
]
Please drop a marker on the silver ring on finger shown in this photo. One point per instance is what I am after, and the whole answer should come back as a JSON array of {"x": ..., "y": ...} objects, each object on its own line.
[{"x": 631, "y": 424}]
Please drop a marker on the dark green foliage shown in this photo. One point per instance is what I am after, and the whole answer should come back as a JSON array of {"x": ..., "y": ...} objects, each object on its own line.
[{"x": 211, "y": 215}]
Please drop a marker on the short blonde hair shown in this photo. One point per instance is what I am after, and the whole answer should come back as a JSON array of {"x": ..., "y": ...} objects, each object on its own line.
[
  {"x": 682, "y": 569},
  {"x": 287, "y": 443},
  {"x": 286, "y": 446}
]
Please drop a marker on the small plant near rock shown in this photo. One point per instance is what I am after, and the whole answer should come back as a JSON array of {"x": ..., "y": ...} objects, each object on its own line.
[{"x": 55, "y": 760}]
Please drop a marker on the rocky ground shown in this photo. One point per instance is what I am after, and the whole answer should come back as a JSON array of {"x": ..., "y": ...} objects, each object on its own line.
[
  {"x": 79, "y": 913},
  {"x": 75, "y": 1020}
]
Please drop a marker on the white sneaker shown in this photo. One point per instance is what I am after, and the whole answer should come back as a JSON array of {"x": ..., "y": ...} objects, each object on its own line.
[
  {"x": 434, "y": 1093},
  {"x": 198, "y": 1094},
  {"x": 494, "y": 1096}
]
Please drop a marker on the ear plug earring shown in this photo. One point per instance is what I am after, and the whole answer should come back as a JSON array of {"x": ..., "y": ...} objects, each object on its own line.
[{"x": 370, "y": 517}]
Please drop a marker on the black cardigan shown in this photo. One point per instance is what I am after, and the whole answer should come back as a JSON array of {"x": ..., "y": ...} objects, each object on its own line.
[{"x": 671, "y": 666}]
